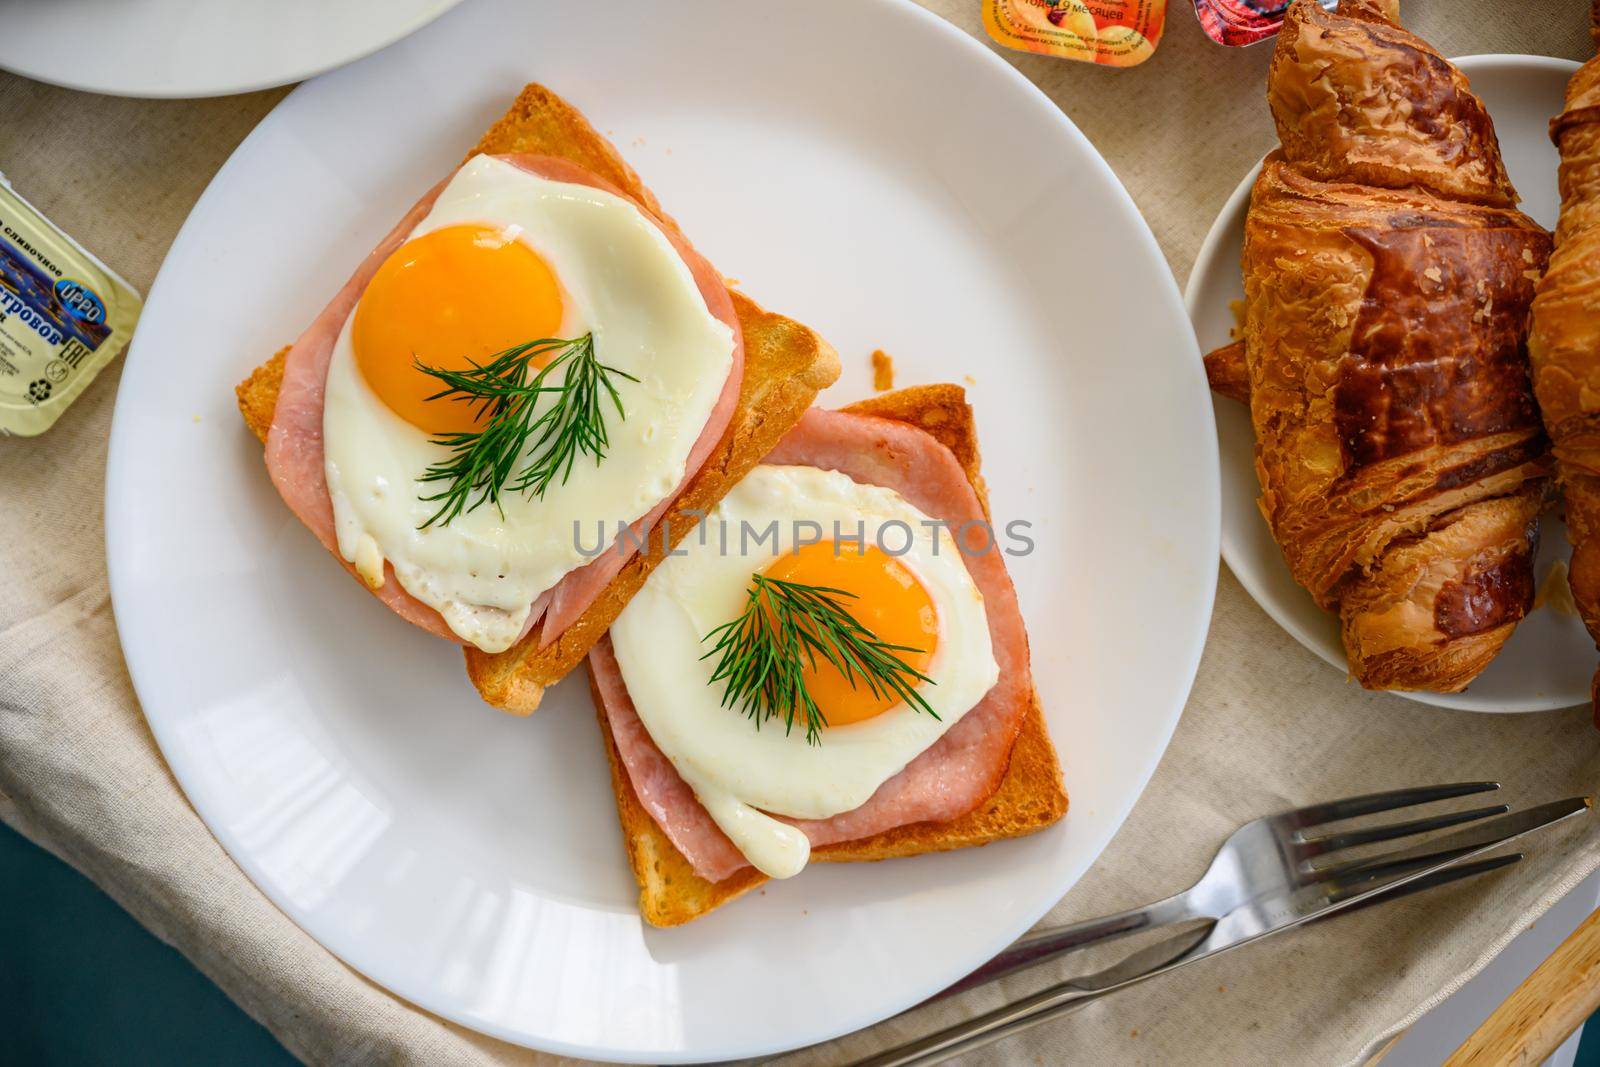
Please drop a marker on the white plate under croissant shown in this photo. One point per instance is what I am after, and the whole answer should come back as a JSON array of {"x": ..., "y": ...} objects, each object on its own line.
[{"x": 1549, "y": 660}]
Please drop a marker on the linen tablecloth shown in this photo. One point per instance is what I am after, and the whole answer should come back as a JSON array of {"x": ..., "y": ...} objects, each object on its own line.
[{"x": 1268, "y": 724}]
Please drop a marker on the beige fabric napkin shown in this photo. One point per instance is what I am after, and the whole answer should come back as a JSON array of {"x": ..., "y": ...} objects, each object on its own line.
[{"x": 1268, "y": 724}]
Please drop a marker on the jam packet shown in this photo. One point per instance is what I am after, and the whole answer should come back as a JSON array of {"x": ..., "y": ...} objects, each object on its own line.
[
  {"x": 1113, "y": 33},
  {"x": 63, "y": 316},
  {"x": 1236, "y": 22}
]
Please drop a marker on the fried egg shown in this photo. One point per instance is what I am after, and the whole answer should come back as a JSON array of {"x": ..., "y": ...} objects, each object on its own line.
[
  {"x": 821, "y": 528},
  {"x": 505, "y": 257}
]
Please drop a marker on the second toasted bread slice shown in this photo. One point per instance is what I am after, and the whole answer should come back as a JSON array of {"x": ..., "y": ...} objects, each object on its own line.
[{"x": 1029, "y": 798}]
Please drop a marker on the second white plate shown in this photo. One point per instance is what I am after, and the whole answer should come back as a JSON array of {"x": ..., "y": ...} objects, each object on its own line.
[
  {"x": 1549, "y": 660},
  {"x": 179, "y": 48}
]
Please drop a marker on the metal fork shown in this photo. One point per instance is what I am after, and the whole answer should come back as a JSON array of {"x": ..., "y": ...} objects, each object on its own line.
[
  {"x": 1339, "y": 887},
  {"x": 1274, "y": 854}
]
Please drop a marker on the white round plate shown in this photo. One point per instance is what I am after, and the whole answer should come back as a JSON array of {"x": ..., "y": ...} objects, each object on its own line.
[
  {"x": 1548, "y": 661},
  {"x": 905, "y": 194},
  {"x": 168, "y": 48}
]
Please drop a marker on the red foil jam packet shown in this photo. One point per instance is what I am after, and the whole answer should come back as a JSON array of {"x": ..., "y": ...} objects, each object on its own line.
[{"x": 1236, "y": 22}]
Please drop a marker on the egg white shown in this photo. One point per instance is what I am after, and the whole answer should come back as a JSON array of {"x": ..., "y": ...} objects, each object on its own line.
[
  {"x": 741, "y": 773},
  {"x": 624, "y": 282}
]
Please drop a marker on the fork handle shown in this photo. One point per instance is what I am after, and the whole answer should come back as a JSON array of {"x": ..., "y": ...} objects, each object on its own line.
[{"x": 1056, "y": 941}]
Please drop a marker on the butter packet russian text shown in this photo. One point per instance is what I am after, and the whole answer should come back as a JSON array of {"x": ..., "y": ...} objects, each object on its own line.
[{"x": 63, "y": 316}]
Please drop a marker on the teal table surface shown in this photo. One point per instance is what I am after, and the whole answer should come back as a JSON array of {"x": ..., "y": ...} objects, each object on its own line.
[{"x": 82, "y": 983}]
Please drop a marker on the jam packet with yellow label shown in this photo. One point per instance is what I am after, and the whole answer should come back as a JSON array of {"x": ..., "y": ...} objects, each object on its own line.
[
  {"x": 63, "y": 316},
  {"x": 1113, "y": 33}
]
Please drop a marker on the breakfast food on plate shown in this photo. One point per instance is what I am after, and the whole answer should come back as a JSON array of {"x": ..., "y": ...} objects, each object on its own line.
[
  {"x": 1384, "y": 355},
  {"x": 823, "y": 673},
  {"x": 1564, "y": 343},
  {"x": 534, "y": 355}
]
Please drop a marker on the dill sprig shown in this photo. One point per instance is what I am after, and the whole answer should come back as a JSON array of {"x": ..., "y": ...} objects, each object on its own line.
[
  {"x": 488, "y": 461},
  {"x": 783, "y": 628}
]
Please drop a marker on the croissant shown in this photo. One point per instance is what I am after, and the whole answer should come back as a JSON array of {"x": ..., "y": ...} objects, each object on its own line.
[
  {"x": 1564, "y": 344},
  {"x": 1384, "y": 355}
]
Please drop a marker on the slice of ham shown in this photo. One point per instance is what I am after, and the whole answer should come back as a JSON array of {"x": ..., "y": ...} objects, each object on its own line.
[
  {"x": 952, "y": 776},
  {"x": 294, "y": 444}
]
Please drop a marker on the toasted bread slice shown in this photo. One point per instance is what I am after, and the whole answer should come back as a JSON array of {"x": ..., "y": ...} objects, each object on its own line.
[
  {"x": 258, "y": 394},
  {"x": 1030, "y": 797},
  {"x": 786, "y": 365}
]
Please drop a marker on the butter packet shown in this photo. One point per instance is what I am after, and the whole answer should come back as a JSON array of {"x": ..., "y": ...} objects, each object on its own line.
[
  {"x": 1112, "y": 33},
  {"x": 63, "y": 316}
]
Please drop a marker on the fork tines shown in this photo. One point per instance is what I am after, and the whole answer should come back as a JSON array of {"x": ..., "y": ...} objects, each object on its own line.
[{"x": 1372, "y": 803}]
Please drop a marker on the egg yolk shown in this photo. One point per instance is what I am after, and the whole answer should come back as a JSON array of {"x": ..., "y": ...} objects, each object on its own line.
[
  {"x": 889, "y": 601},
  {"x": 457, "y": 294}
]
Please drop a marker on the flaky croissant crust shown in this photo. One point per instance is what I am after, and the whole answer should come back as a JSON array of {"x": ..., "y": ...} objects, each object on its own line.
[
  {"x": 1389, "y": 385},
  {"x": 1565, "y": 341},
  {"x": 1357, "y": 98},
  {"x": 1387, "y": 282}
]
